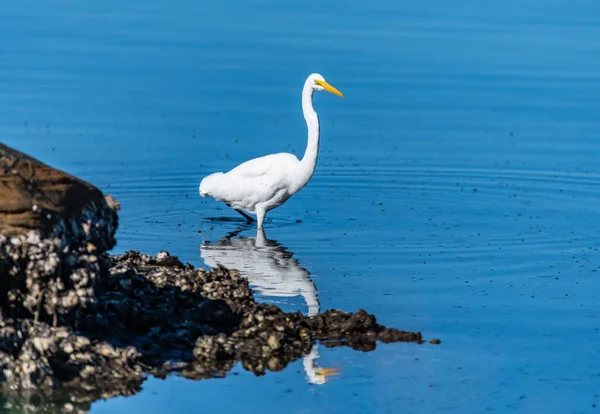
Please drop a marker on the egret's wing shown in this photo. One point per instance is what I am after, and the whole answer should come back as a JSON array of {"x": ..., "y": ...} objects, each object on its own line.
[
  {"x": 262, "y": 166},
  {"x": 254, "y": 180},
  {"x": 252, "y": 168}
]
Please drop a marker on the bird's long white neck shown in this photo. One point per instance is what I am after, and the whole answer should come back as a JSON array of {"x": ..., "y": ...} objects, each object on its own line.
[{"x": 309, "y": 161}]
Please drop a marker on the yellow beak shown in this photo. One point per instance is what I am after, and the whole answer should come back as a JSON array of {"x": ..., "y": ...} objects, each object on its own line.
[
  {"x": 329, "y": 88},
  {"x": 327, "y": 372}
]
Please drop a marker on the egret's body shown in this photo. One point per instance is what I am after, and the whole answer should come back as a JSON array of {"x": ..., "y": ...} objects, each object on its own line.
[{"x": 262, "y": 184}]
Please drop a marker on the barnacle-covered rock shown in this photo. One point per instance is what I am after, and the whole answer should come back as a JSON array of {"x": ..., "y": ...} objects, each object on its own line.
[
  {"x": 55, "y": 230},
  {"x": 157, "y": 319}
]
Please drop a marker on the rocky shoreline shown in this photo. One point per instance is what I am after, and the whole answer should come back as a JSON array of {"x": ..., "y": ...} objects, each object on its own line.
[{"x": 77, "y": 324}]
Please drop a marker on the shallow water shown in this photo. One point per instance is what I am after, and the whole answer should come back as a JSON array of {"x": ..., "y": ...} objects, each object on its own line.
[{"x": 456, "y": 191}]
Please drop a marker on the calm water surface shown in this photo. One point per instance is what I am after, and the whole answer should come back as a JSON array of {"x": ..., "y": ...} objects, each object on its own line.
[{"x": 456, "y": 191}]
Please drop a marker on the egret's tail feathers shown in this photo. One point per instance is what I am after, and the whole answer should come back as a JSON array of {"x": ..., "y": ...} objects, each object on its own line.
[{"x": 210, "y": 184}]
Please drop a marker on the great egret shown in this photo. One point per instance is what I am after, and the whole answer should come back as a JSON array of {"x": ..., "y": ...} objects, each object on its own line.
[{"x": 263, "y": 183}]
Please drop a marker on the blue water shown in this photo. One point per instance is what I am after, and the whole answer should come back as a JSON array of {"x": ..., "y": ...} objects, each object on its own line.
[{"x": 456, "y": 191}]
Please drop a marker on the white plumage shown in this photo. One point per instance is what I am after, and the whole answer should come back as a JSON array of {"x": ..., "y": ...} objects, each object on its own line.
[{"x": 262, "y": 184}]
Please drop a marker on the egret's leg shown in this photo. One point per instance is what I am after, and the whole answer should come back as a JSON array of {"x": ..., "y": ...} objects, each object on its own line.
[
  {"x": 246, "y": 216},
  {"x": 260, "y": 217}
]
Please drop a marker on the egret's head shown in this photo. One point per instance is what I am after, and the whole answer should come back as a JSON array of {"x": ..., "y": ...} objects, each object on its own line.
[{"x": 318, "y": 83}]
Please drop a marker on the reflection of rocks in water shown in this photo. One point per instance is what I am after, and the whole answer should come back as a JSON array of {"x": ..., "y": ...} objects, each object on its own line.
[
  {"x": 74, "y": 401},
  {"x": 271, "y": 271}
]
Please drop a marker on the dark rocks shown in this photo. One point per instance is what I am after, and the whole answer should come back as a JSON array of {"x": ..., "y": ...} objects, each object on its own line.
[
  {"x": 77, "y": 325},
  {"x": 359, "y": 331},
  {"x": 158, "y": 319},
  {"x": 55, "y": 230}
]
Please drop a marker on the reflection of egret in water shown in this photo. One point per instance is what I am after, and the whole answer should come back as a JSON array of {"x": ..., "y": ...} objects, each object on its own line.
[{"x": 271, "y": 270}]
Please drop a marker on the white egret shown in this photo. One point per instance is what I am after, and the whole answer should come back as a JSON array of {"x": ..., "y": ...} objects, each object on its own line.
[{"x": 261, "y": 184}]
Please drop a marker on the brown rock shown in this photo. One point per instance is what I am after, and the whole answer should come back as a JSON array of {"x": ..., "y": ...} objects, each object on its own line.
[{"x": 36, "y": 196}]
